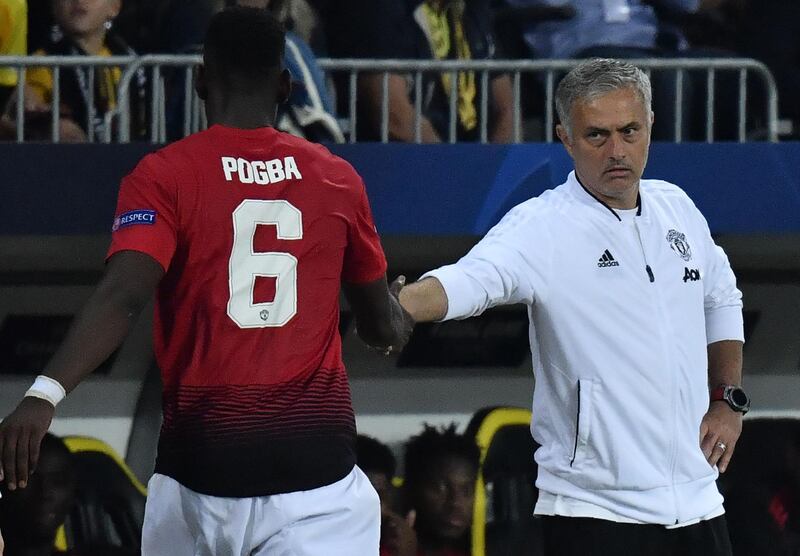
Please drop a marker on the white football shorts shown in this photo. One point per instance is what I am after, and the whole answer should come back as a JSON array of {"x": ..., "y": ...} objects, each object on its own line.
[{"x": 340, "y": 519}]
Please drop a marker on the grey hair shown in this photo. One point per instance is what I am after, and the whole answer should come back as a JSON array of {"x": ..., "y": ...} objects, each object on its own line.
[{"x": 597, "y": 77}]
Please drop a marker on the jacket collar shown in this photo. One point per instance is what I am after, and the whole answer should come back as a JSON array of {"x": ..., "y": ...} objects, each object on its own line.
[{"x": 586, "y": 197}]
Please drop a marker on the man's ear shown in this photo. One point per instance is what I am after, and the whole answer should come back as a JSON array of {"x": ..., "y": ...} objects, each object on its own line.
[
  {"x": 563, "y": 135},
  {"x": 201, "y": 83},
  {"x": 284, "y": 87}
]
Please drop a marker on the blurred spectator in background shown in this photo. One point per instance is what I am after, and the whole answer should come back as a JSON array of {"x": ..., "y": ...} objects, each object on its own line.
[
  {"x": 310, "y": 111},
  {"x": 441, "y": 467},
  {"x": 84, "y": 28},
  {"x": 770, "y": 32},
  {"x": 631, "y": 26},
  {"x": 764, "y": 520},
  {"x": 30, "y": 517},
  {"x": 377, "y": 462},
  {"x": 13, "y": 41},
  {"x": 424, "y": 30},
  {"x": 626, "y": 29}
]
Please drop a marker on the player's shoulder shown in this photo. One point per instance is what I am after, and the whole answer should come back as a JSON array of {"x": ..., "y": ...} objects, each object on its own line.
[
  {"x": 661, "y": 188},
  {"x": 664, "y": 191},
  {"x": 548, "y": 204},
  {"x": 170, "y": 159},
  {"x": 332, "y": 167},
  {"x": 534, "y": 213}
]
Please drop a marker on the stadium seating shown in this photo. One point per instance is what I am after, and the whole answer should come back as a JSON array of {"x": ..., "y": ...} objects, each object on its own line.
[
  {"x": 505, "y": 494},
  {"x": 109, "y": 502}
]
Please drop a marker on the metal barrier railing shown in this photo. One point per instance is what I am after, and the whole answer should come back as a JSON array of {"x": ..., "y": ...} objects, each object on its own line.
[
  {"x": 118, "y": 121},
  {"x": 193, "y": 114},
  {"x": 516, "y": 68},
  {"x": 55, "y": 64}
]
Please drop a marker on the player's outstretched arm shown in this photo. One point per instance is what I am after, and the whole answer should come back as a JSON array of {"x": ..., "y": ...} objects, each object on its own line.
[
  {"x": 425, "y": 300},
  {"x": 380, "y": 320},
  {"x": 127, "y": 285}
]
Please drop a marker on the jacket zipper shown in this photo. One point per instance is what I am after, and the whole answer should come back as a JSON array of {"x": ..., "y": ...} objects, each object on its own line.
[
  {"x": 577, "y": 426},
  {"x": 647, "y": 268}
]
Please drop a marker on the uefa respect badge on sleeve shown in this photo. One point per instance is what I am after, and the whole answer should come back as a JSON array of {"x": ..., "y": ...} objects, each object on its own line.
[{"x": 136, "y": 217}]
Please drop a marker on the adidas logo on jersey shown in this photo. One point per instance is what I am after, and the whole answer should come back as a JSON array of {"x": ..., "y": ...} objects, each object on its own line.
[
  {"x": 607, "y": 260},
  {"x": 262, "y": 172}
]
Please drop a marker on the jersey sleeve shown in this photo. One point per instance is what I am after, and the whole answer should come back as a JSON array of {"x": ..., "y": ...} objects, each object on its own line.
[
  {"x": 364, "y": 260},
  {"x": 722, "y": 300},
  {"x": 509, "y": 265},
  {"x": 145, "y": 219}
]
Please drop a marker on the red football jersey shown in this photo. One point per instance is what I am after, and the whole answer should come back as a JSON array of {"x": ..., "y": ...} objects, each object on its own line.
[{"x": 256, "y": 229}]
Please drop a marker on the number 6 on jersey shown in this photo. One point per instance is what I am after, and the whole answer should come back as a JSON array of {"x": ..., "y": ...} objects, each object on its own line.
[{"x": 245, "y": 265}]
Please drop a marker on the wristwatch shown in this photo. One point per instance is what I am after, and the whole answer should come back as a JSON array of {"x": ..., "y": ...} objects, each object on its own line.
[{"x": 734, "y": 396}]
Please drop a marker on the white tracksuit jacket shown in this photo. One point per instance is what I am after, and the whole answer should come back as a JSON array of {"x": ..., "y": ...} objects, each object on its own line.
[{"x": 620, "y": 317}]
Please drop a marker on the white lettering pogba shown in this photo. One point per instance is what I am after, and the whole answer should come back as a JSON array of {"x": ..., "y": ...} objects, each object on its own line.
[{"x": 262, "y": 172}]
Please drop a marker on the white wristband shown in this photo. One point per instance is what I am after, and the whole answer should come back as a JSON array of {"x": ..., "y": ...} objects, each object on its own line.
[{"x": 48, "y": 389}]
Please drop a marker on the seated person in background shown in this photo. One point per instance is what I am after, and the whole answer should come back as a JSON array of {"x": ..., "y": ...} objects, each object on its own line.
[
  {"x": 13, "y": 41},
  {"x": 425, "y": 30},
  {"x": 309, "y": 113},
  {"x": 770, "y": 32},
  {"x": 441, "y": 467},
  {"x": 623, "y": 29},
  {"x": 84, "y": 29},
  {"x": 378, "y": 463},
  {"x": 30, "y": 517},
  {"x": 38, "y": 126},
  {"x": 765, "y": 520}
]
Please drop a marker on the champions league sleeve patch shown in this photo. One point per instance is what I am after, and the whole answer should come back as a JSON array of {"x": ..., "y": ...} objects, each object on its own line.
[{"x": 133, "y": 218}]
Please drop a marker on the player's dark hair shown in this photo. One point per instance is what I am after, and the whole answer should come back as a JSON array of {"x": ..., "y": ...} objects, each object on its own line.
[
  {"x": 245, "y": 42},
  {"x": 433, "y": 445},
  {"x": 373, "y": 455}
]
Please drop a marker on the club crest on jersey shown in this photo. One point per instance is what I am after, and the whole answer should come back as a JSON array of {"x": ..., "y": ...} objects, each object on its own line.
[
  {"x": 679, "y": 244},
  {"x": 133, "y": 218},
  {"x": 262, "y": 172}
]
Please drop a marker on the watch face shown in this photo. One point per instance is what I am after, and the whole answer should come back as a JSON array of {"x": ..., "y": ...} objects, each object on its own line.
[{"x": 738, "y": 397}]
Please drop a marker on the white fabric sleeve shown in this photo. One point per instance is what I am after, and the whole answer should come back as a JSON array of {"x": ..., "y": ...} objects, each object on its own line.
[
  {"x": 507, "y": 266},
  {"x": 722, "y": 299}
]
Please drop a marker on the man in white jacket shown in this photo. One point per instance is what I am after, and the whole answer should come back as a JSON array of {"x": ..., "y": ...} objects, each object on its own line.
[{"x": 635, "y": 331}]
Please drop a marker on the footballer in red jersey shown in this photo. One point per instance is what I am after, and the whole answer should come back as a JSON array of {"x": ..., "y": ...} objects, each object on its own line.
[
  {"x": 246, "y": 236},
  {"x": 255, "y": 230}
]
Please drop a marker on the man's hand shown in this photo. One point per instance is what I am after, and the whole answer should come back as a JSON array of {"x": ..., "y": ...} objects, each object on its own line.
[
  {"x": 21, "y": 435},
  {"x": 405, "y": 322},
  {"x": 719, "y": 433},
  {"x": 2, "y": 545},
  {"x": 402, "y": 322},
  {"x": 425, "y": 300},
  {"x": 397, "y": 533},
  {"x": 381, "y": 322}
]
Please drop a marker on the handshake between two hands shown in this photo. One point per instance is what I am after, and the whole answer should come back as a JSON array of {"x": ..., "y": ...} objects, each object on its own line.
[{"x": 402, "y": 321}]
